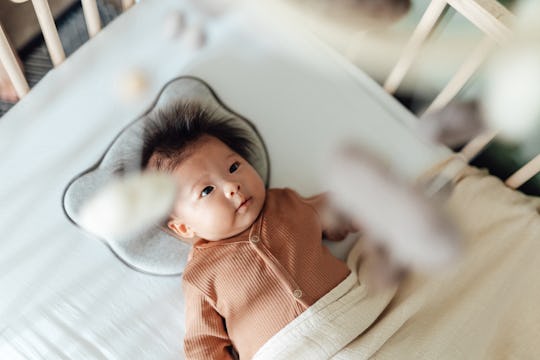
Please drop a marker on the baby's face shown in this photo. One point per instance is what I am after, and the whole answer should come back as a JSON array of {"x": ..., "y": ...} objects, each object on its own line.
[{"x": 220, "y": 194}]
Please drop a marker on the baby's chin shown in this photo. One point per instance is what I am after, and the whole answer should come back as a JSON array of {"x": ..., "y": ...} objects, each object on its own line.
[
  {"x": 244, "y": 227},
  {"x": 238, "y": 230}
]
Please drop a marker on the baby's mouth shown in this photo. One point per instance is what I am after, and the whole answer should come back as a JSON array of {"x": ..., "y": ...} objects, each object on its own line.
[{"x": 243, "y": 205}]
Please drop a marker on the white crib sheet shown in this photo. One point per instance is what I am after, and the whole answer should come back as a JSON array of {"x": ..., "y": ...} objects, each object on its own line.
[{"x": 63, "y": 294}]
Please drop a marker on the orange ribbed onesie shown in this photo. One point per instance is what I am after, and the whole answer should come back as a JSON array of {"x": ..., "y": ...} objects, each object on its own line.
[{"x": 241, "y": 291}]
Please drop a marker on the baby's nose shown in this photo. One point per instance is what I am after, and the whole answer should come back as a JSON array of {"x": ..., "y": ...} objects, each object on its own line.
[{"x": 232, "y": 189}]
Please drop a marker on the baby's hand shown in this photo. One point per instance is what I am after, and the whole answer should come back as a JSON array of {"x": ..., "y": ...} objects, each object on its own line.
[
  {"x": 414, "y": 229},
  {"x": 336, "y": 226}
]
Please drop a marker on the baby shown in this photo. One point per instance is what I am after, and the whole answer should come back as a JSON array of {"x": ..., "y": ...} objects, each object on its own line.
[{"x": 257, "y": 260}]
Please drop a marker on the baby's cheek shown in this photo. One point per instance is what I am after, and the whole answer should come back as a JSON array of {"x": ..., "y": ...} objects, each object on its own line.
[{"x": 219, "y": 221}]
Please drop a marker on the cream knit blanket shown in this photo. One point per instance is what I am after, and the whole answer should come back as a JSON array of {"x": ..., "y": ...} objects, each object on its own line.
[{"x": 485, "y": 307}]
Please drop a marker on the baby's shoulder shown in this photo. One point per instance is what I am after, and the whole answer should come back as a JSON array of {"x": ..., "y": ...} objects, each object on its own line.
[
  {"x": 282, "y": 194},
  {"x": 287, "y": 200},
  {"x": 209, "y": 262},
  {"x": 197, "y": 271}
]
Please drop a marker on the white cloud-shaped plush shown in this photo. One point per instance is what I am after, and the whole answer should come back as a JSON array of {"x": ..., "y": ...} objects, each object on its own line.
[{"x": 129, "y": 205}]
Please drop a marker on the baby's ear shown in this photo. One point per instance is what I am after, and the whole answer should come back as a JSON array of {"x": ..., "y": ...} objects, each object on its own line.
[{"x": 180, "y": 229}]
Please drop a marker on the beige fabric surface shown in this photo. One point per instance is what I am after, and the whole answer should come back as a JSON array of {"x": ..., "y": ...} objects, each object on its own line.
[
  {"x": 486, "y": 306},
  {"x": 482, "y": 307}
]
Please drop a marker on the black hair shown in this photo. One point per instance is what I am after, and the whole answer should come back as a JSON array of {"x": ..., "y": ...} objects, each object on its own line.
[{"x": 171, "y": 132}]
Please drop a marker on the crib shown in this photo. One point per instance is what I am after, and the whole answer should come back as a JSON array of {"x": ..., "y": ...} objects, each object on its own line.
[{"x": 63, "y": 294}]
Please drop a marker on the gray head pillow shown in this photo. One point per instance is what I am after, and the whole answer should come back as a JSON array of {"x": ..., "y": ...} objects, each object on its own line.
[{"x": 153, "y": 251}]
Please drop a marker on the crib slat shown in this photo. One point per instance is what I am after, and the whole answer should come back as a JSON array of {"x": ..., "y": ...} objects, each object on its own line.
[
  {"x": 487, "y": 15},
  {"x": 524, "y": 174},
  {"x": 464, "y": 73},
  {"x": 412, "y": 48},
  {"x": 13, "y": 70},
  {"x": 46, "y": 22},
  {"x": 477, "y": 144},
  {"x": 91, "y": 16}
]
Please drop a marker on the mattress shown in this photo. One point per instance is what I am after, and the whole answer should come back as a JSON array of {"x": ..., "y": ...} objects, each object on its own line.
[{"x": 64, "y": 295}]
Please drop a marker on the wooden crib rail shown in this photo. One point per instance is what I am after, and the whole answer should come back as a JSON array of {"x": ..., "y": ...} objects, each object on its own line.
[
  {"x": 462, "y": 75},
  {"x": 494, "y": 20},
  {"x": 13, "y": 69},
  {"x": 487, "y": 15},
  {"x": 524, "y": 174},
  {"x": 410, "y": 51},
  {"x": 42, "y": 9},
  {"x": 50, "y": 33},
  {"x": 520, "y": 177},
  {"x": 91, "y": 16}
]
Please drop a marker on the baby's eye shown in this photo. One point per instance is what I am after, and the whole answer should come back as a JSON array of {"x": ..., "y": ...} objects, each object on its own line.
[
  {"x": 206, "y": 191},
  {"x": 234, "y": 167}
]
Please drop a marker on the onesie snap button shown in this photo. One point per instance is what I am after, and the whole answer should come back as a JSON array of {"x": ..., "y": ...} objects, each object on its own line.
[
  {"x": 297, "y": 293},
  {"x": 254, "y": 239}
]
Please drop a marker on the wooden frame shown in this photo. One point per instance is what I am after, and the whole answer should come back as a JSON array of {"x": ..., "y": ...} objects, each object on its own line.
[
  {"x": 50, "y": 33},
  {"x": 10, "y": 63},
  {"x": 494, "y": 20},
  {"x": 524, "y": 174},
  {"x": 42, "y": 9},
  {"x": 412, "y": 48},
  {"x": 91, "y": 16},
  {"x": 488, "y": 15}
]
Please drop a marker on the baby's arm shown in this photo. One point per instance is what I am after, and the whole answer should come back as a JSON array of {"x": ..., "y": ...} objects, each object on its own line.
[
  {"x": 206, "y": 336},
  {"x": 335, "y": 225}
]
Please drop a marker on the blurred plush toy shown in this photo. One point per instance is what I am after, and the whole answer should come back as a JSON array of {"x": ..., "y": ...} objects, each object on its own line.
[
  {"x": 403, "y": 228},
  {"x": 355, "y": 11},
  {"x": 510, "y": 100},
  {"x": 175, "y": 24},
  {"x": 132, "y": 84},
  {"x": 454, "y": 125},
  {"x": 129, "y": 205}
]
